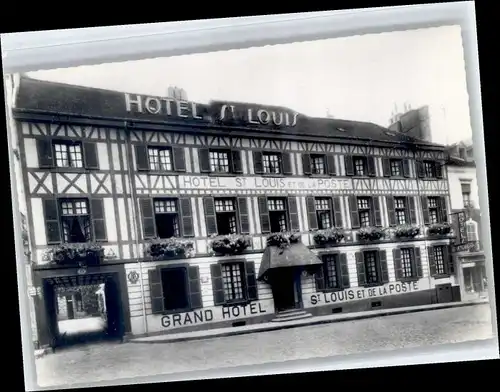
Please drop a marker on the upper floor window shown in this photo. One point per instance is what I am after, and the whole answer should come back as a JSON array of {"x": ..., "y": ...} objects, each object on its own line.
[
  {"x": 226, "y": 215},
  {"x": 434, "y": 209},
  {"x": 272, "y": 163},
  {"x": 324, "y": 212},
  {"x": 429, "y": 169},
  {"x": 396, "y": 167},
  {"x": 466, "y": 191},
  {"x": 364, "y": 210},
  {"x": 359, "y": 165},
  {"x": 360, "y": 168},
  {"x": 471, "y": 227},
  {"x": 278, "y": 214},
  {"x": 67, "y": 154},
  {"x": 400, "y": 210},
  {"x": 225, "y": 211},
  {"x": 160, "y": 158},
  {"x": 318, "y": 164},
  {"x": 220, "y": 161},
  {"x": 76, "y": 220},
  {"x": 166, "y": 218}
]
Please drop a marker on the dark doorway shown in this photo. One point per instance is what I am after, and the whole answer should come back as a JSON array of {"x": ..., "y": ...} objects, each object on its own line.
[
  {"x": 444, "y": 293},
  {"x": 69, "y": 307},
  {"x": 284, "y": 283},
  {"x": 174, "y": 282}
]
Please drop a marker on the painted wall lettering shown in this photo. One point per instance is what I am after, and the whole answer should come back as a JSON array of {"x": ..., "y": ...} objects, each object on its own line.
[
  {"x": 238, "y": 311},
  {"x": 263, "y": 183},
  {"x": 185, "y": 319},
  {"x": 364, "y": 293}
]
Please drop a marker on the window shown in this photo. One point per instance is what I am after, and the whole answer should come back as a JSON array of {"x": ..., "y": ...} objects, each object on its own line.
[
  {"x": 433, "y": 210},
  {"x": 277, "y": 214},
  {"x": 371, "y": 267},
  {"x": 332, "y": 271},
  {"x": 75, "y": 219},
  {"x": 318, "y": 164},
  {"x": 471, "y": 227},
  {"x": 174, "y": 286},
  {"x": 439, "y": 260},
  {"x": 324, "y": 212},
  {"x": 360, "y": 166},
  {"x": 160, "y": 158},
  {"x": 232, "y": 279},
  {"x": 68, "y": 154},
  {"x": 407, "y": 263},
  {"x": 466, "y": 191},
  {"x": 400, "y": 210},
  {"x": 364, "y": 211},
  {"x": 166, "y": 218},
  {"x": 396, "y": 167},
  {"x": 225, "y": 211},
  {"x": 271, "y": 163},
  {"x": 219, "y": 161}
]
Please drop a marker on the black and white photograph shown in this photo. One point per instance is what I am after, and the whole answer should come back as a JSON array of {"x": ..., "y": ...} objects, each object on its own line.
[{"x": 251, "y": 206}]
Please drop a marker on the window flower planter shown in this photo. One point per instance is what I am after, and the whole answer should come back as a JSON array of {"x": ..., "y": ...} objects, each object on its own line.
[
  {"x": 78, "y": 254},
  {"x": 371, "y": 233},
  {"x": 282, "y": 240},
  {"x": 328, "y": 236},
  {"x": 439, "y": 229},
  {"x": 230, "y": 244},
  {"x": 171, "y": 248},
  {"x": 406, "y": 231}
]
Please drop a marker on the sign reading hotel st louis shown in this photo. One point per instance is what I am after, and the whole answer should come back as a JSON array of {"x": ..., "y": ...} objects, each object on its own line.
[{"x": 226, "y": 112}]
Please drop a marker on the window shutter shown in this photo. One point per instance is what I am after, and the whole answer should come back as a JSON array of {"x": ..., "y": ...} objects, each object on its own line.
[
  {"x": 353, "y": 207},
  {"x": 286, "y": 162},
  {"x": 439, "y": 170},
  {"x": 337, "y": 212},
  {"x": 360, "y": 268},
  {"x": 412, "y": 212},
  {"x": 330, "y": 165},
  {"x": 391, "y": 211},
  {"x": 217, "y": 284},
  {"x": 398, "y": 270},
  {"x": 236, "y": 161},
  {"x": 418, "y": 262},
  {"x": 244, "y": 216},
  {"x": 90, "y": 156},
  {"x": 252, "y": 289},
  {"x": 382, "y": 259},
  {"x": 406, "y": 168},
  {"x": 386, "y": 167},
  {"x": 293, "y": 213},
  {"x": 349, "y": 165},
  {"x": 311, "y": 213},
  {"x": 425, "y": 209},
  {"x": 98, "y": 219},
  {"x": 377, "y": 212},
  {"x": 210, "y": 218},
  {"x": 194, "y": 287},
  {"x": 204, "y": 158},
  {"x": 344, "y": 271},
  {"x": 186, "y": 215},
  {"x": 306, "y": 163},
  {"x": 179, "y": 159},
  {"x": 448, "y": 260},
  {"x": 52, "y": 223},
  {"x": 319, "y": 278},
  {"x": 432, "y": 261},
  {"x": 45, "y": 153},
  {"x": 141, "y": 157},
  {"x": 442, "y": 209},
  {"x": 265, "y": 223},
  {"x": 257, "y": 162},
  {"x": 420, "y": 169},
  {"x": 371, "y": 166},
  {"x": 156, "y": 291},
  {"x": 148, "y": 218}
]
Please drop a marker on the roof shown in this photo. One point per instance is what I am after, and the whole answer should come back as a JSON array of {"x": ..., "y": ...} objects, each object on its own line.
[
  {"x": 456, "y": 161},
  {"x": 37, "y": 97}
]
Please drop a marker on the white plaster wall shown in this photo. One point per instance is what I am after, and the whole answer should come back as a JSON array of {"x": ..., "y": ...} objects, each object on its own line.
[{"x": 455, "y": 175}]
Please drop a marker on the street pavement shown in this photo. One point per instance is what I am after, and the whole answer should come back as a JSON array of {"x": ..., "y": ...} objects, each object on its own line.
[{"x": 111, "y": 361}]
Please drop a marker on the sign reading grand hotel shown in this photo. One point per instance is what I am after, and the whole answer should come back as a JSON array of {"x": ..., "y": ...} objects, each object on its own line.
[
  {"x": 226, "y": 112},
  {"x": 263, "y": 183}
]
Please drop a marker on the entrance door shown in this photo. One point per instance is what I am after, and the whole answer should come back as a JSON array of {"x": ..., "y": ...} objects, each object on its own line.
[
  {"x": 69, "y": 307},
  {"x": 113, "y": 308},
  {"x": 284, "y": 288}
]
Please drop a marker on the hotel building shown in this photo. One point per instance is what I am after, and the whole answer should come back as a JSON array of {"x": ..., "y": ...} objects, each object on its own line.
[{"x": 173, "y": 205}]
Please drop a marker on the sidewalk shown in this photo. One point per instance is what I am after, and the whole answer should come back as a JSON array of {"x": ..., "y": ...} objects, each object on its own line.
[{"x": 273, "y": 326}]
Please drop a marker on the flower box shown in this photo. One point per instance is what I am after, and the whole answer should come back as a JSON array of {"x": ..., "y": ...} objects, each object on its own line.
[
  {"x": 406, "y": 231},
  {"x": 283, "y": 239},
  {"x": 371, "y": 233},
  {"x": 328, "y": 236},
  {"x": 78, "y": 254},
  {"x": 230, "y": 244},
  {"x": 169, "y": 248},
  {"x": 439, "y": 229}
]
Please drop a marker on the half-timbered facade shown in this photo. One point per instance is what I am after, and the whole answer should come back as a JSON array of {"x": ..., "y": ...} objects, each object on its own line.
[{"x": 182, "y": 198}]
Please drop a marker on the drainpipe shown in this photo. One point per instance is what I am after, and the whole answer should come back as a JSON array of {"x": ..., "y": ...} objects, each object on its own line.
[{"x": 134, "y": 220}]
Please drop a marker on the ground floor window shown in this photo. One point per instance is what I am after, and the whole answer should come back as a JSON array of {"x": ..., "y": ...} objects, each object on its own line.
[
  {"x": 174, "y": 285},
  {"x": 233, "y": 282},
  {"x": 475, "y": 279},
  {"x": 232, "y": 277}
]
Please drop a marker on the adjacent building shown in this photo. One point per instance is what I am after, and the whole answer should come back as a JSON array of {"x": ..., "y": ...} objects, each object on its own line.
[{"x": 198, "y": 216}]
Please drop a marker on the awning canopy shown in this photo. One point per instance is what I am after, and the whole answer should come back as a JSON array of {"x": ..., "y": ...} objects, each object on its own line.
[{"x": 295, "y": 255}]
